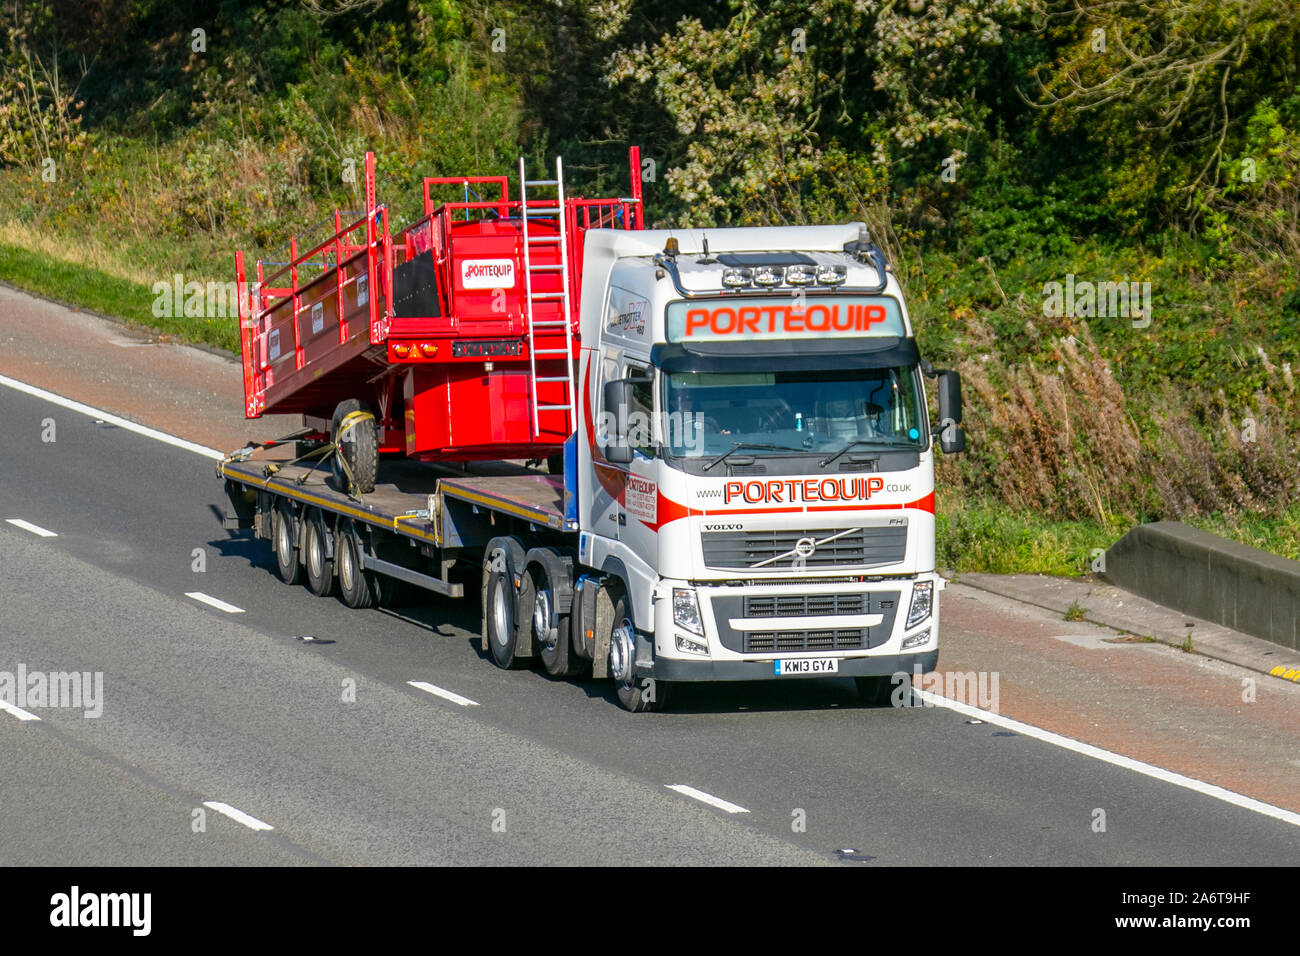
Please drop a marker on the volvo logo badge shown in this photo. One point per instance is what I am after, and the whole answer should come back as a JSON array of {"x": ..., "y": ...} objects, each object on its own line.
[{"x": 805, "y": 547}]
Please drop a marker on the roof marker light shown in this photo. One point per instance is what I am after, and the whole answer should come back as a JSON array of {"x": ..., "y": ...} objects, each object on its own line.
[
  {"x": 801, "y": 275},
  {"x": 832, "y": 275},
  {"x": 736, "y": 278}
]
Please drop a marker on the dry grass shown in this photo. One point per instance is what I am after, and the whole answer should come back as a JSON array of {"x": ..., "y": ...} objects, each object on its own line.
[{"x": 1062, "y": 441}]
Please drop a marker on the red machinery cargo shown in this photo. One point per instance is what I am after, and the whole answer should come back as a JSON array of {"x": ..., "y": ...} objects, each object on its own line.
[{"x": 458, "y": 334}]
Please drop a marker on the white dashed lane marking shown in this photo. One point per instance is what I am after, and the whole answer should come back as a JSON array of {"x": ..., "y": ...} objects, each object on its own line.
[
  {"x": 703, "y": 797},
  {"x": 437, "y": 691},
  {"x": 209, "y": 600},
  {"x": 33, "y": 528},
  {"x": 239, "y": 816}
]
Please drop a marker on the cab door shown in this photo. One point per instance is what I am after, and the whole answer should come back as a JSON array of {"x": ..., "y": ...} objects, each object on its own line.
[{"x": 606, "y": 516}]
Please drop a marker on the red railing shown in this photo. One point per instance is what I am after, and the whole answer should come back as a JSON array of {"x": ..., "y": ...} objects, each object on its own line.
[
  {"x": 376, "y": 243},
  {"x": 499, "y": 181}
]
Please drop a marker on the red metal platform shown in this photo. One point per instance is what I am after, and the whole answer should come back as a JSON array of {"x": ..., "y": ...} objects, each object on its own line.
[{"x": 459, "y": 331}]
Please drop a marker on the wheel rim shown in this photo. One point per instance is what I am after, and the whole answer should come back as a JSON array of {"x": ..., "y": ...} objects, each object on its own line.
[
  {"x": 622, "y": 651},
  {"x": 315, "y": 553},
  {"x": 501, "y": 614},
  {"x": 542, "y": 620},
  {"x": 284, "y": 545},
  {"x": 345, "y": 564}
]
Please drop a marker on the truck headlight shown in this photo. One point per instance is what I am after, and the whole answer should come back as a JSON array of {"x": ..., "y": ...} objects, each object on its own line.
[
  {"x": 922, "y": 596},
  {"x": 686, "y": 611}
]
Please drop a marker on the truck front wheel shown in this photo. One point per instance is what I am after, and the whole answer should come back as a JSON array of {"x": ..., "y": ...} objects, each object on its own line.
[{"x": 636, "y": 693}]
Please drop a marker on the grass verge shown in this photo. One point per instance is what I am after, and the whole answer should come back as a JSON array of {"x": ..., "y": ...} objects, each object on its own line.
[
  {"x": 116, "y": 296},
  {"x": 988, "y": 537}
]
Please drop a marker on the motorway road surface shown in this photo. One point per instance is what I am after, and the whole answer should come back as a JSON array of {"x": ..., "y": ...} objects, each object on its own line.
[{"x": 203, "y": 704}]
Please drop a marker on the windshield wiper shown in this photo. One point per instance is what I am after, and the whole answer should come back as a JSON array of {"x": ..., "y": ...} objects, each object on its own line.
[
  {"x": 854, "y": 444},
  {"x": 746, "y": 444}
]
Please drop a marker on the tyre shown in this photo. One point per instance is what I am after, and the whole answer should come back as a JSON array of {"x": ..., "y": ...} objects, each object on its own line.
[
  {"x": 500, "y": 611},
  {"x": 358, "y": 588},
  {"x": 320, "y": 566},
  {"x": 876, "y": 691},
  {"x": 637, "y": 694},
  {"x": 356, "y": 433},
  {"x": 550, "y": 630},
  {"x": 284, "y": 541}
]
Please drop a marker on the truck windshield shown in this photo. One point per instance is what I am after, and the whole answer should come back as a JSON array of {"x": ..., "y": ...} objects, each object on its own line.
[{"x": 805, "y": 412}]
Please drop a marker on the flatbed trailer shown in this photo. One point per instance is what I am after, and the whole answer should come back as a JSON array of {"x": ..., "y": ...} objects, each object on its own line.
[{"x": 441, "y": 515}]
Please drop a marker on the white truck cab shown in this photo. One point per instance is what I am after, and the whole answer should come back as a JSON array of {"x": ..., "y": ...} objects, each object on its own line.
[{"x": 754, "y": 461}]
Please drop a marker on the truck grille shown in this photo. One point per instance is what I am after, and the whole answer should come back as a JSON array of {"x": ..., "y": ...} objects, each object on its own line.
[
  {"x": 805, "y": 605},
  {"x": 727, "y": 608},
  {"x": 779, "y": 550},
  {"x": 759, "y": 642}
]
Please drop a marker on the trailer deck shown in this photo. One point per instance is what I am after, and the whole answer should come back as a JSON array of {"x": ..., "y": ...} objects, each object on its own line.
[{"x": 431, "y": 503}]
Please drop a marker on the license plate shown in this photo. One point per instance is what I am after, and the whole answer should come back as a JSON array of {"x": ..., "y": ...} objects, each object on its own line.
[{"x": 806, "y": 665}]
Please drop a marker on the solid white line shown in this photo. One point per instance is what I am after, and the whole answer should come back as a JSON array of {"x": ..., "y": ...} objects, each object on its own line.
[
  {"x": 16, "y": 711},
  {"x": 110, "y": 418},
  {"x": 219, "y": 604},
  {"x": 239, "y": 816},
  {"x": 1118, "y": 760},
  {"x": 33, "y": 528},
  {"x": 703, "y": 797},
  {"x": 444, "y": 694}
]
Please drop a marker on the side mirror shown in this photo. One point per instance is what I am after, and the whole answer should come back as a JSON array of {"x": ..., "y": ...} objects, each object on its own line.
[
  {"x": 617, "y": 400},
  {"x": 618, "y": 454},
  {"x": 951, "y": 437}
]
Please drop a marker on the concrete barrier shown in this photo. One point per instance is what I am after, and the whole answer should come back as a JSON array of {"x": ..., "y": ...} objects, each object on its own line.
[{"x": 1209, "y": 577}]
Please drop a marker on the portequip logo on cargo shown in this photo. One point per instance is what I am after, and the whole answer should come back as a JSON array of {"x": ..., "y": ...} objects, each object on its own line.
[{"x": 487, "y": 273}]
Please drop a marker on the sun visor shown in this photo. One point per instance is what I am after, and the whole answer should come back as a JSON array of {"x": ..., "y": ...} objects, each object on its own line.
[{"x": 785, "y": 355}]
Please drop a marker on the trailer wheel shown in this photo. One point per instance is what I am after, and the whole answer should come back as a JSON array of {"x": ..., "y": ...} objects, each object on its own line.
[
  {"x": 500, "y": 610},
  {"x": 287, "y": 562},
  {"x": 354, "y": 430},
  {"x": 320, "y": 566},
  {"x": 537, "y": 600},
  {"x": 637, "y": 694},
  {"x": 358, "y": 588}
]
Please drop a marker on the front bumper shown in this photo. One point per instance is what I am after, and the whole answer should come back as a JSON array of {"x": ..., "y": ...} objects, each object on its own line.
[
  {"x": 670, "y": 669},
  {"x": 747, "y": 627}
]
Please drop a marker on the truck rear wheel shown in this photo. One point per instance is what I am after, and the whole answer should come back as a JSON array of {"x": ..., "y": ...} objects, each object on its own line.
[
  {"x": 500, "y": 609},
  {"x": 287, "y": 563},
  {"x": 636, "y": 693},
  {"x": 320, "y": 566},
  {"x": 358, "y": 588},
  {"x": 537, "y": 600},
  {"x": 354, "y": 430}
]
